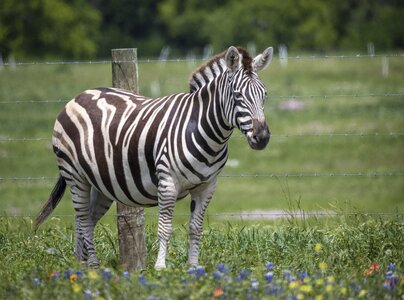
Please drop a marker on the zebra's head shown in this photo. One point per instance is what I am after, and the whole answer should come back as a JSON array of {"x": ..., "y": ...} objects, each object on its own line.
[{"x": 248, "y": 94}]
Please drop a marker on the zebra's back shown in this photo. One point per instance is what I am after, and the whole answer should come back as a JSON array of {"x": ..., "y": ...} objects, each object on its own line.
[{"x": 117, "y": 140}]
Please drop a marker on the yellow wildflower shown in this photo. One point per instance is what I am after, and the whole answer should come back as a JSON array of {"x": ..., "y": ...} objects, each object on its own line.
[
  {"x": 300, "y": 296},
  {"x": 344, "y": 290},
  {"x": 305, "y": 288},
  {"x": 93, "y": 274},
  {"x": 329, "y": 288},
  {"x": 293, "y": 285},
  {"x": 318, "y": 247},
  {"x": 362, "y": 293},
  {"x": 319, "y": 297},
  {"x": 73, "y": 278},
  {"x": 320, "y": 281},
  {"x": 322, "y": 265},
  {"x": 76, "y": 288},
  {"x": 330, "y": 279}
]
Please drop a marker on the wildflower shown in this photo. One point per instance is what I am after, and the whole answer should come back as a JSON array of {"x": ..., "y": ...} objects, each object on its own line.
[
  {"x": 222, "y": 268},
  {"x": 79, "y": 274},
  {"x": 319, "y": 297},
  {"x": 305, "y": 288},
  {"x": 217, "y": 275},
  {"x": 68, "y": 272},
  {"x": 329, "y": 288},
  {"x": 286, "y": 275},
  {"x": 300, "y": 296},
  {"x": 269, "y": 276},
  {"x": 392, "y": 266},
  {"x": 374, "y": 267},
  {"x": 362, "y": 293},
  {"x": 76, "y": 288},
  {"x": 293, "y": 284},
  {"x": 343, "y": 291},
  {"x": 254, "y": 284},
  {"x": 93, "y": 275},
  {"x": 318, "y": 247},
  {"x": 191, "y": 271},
  {"x": 319, "y": 281},
  {"x": 36, "y": 281},
  {"x": 126, "y": 274},
  {"x": 303, "y": 276},
  {"x": 322, "y": 266},
  {"x": 243, "y": 275},
  {"x": 142, "y": 280},
  {"x": 388, "y": 252},
  {"x": 217, "y": 292},
  {"x": 106, "y": 273},
  {"x": 200, "y": 271},
  {"x": 54, "y": 275},
  {"x": 73, "y": 278},
  {"x": 269, "y": 265},
  {"x": 330, "y": 279}
]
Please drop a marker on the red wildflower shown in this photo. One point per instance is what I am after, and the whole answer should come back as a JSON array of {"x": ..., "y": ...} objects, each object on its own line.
[
  {"x": 374, "y": 267},
  {"x": 217, "y": 292}
]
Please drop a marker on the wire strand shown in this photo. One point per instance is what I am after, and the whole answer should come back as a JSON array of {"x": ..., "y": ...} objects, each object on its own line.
[
  {"x": 155, "y": 60},
  {"x": 256, "y": 175},
  {"x": 329, "y": 96}
]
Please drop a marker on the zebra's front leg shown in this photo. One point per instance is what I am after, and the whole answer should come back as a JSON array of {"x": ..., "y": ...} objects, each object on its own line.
[
  {"x": 167, "y": 195},
  {"x": 200, "y": 201}
]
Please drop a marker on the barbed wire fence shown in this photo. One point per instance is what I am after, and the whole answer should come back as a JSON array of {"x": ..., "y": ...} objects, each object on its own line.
[{"x": 243, "y": 215}]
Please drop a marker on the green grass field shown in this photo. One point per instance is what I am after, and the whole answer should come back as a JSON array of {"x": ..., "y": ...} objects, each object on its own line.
[{"x": 350, "y": 242}]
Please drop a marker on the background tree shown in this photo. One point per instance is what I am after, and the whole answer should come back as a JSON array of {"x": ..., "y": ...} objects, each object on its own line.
[{"x": 38, "y": 28}]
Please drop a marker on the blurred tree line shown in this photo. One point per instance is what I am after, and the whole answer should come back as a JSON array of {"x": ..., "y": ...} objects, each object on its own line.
[{"x": 90, "y": 28}]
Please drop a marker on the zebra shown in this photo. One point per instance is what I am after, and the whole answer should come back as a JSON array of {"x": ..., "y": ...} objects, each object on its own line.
[{"x": 114, "y": 145}]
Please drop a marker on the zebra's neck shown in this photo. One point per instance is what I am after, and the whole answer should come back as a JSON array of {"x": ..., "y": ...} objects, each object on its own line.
[{"x": 207, "y": 73}]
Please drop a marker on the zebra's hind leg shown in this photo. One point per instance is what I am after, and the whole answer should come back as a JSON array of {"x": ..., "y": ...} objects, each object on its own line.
[
  {"x": 84, "y": 249},
  {"x": 201, "y": 197},
  {"x": 167, "y": 195}
]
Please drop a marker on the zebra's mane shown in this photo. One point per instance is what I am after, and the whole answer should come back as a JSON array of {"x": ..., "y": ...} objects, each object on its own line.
[{"x": 214, "y": 67}]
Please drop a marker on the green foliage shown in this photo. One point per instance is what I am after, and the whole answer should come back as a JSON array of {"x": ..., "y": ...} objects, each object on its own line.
[
  {"x": 48, "y": 28},
  {"x": 78, "y": 29}
]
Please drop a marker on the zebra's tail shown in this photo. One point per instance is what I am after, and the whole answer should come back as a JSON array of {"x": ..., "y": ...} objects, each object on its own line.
[{"x": 53, "y": 201}]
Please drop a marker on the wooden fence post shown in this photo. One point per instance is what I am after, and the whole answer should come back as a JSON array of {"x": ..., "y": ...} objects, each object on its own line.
[{"x": 131, "y": 236}]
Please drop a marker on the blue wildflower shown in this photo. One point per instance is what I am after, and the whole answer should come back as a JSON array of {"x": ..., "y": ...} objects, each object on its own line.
[
  {"x": 217, "y": 275},
  {"x": 36, "y": 281},
  {"x": 243, "y": 275},
  {"x": 106, "y": 273},
  {"x": 269, "y": 265},
  {"x": 269, "y": 276},
  {"x": 142, "y": 280},
  {"x": 286, "y": 275},
  {"x": 303, "y": 275},
  {"x": 126, "y": 274},
  {"x": 254, "y": 284},
  {"x": 68, "y": 273},
  {"x": 222, "y": 268},
  {"x": 392, "y": 266},
  {"x": 200, "y": 271},
  {"x": 79, "y": 274},
  {"x": 191, "y": 271}
]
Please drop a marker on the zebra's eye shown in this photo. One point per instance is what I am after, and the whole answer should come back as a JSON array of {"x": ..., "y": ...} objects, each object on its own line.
[{"x": 237, "y": 95}]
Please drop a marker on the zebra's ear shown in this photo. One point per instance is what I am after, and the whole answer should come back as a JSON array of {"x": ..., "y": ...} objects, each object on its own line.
[
  {"x": 262, "y": 60},
  {"x": 232, "y": 58}
]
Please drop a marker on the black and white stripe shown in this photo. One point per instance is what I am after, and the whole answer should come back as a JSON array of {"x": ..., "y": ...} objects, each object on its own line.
[{"x": 113, "y": 145}]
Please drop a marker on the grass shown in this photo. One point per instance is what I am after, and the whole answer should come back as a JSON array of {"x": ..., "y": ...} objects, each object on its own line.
[
  {"x": 350, "y": 242},
  {"x": 287, "y": 152},
  {"x": 311, "y": 259}
]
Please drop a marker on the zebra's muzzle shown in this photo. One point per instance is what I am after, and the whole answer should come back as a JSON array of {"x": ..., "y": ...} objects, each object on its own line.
[{"x": 258, "y": 138}]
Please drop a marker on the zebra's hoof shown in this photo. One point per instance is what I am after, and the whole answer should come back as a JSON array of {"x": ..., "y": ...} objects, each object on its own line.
[{"x": 92, "y": 262}]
